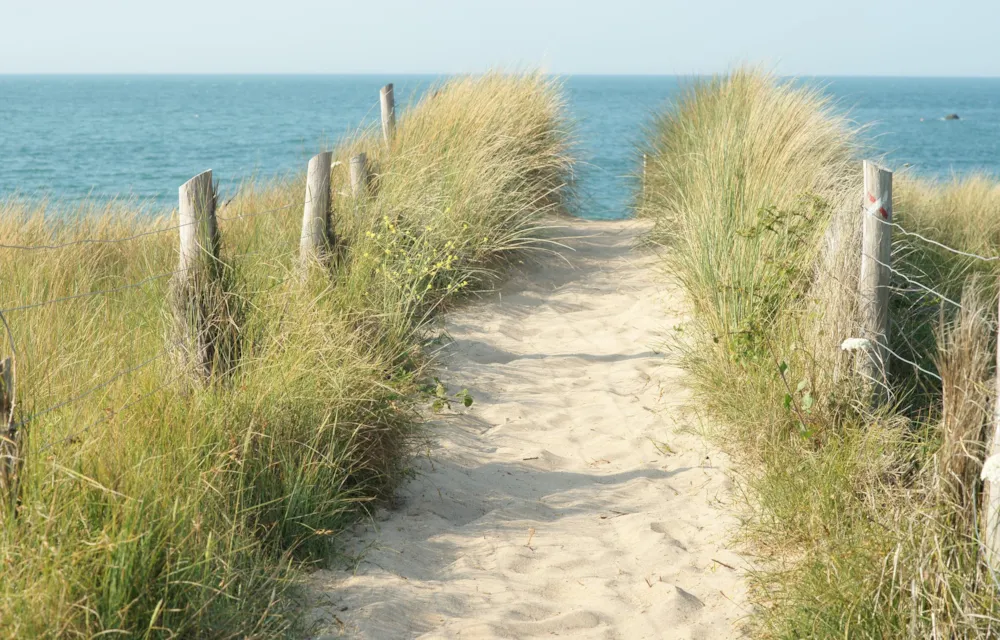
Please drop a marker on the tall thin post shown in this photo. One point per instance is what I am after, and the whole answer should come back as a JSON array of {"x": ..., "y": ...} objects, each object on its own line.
[
  {"x": 873, "y": 286},
  {"x": 315, "y": 239},
  {"x": 388, "y": 113},
  {"x": 195, "y": 287},
  {"x": 644, "y": 178},
  {"x": 199, "y": 229},
  {"x": 359, "y": 174},
  {"x": 10, "y": 438},
  {"x": 991, "y": 475}
]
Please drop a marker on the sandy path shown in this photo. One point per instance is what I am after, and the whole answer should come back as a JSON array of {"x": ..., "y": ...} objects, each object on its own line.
[{"x": 549, "y": 508}]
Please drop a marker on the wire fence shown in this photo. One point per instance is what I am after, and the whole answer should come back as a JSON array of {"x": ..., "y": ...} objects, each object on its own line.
[
  {"x": 74, "y": 436},
  {"x": 92, "y": 390},
  {"x": 198, "y": 201},
  {"x": 114, "y": 378},
  {"x": 126, "y": 372},
  {"x": 101, "y": 292},
  {"x": 919, "y": 287},
  {"x": 143, "y": 234},
  {"x": 907, "y": 361},
  {"x": 923, "y": 289},
  {"x": 937, "y": 244},
  {"x": 91, "y": 294}
]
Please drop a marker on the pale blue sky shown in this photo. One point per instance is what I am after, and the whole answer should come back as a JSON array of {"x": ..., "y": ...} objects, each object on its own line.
[{"x": 831, "y": 37}]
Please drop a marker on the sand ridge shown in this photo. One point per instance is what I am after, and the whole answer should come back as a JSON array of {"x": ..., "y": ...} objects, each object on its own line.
[{"x": 567, "y": 501}]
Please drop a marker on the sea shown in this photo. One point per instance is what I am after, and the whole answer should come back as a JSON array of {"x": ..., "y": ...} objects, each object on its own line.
[{"x": 72, "y": 138}]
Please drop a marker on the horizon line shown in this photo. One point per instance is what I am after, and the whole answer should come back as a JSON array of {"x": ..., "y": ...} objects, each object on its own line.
[{"x": 465, "y": 73}]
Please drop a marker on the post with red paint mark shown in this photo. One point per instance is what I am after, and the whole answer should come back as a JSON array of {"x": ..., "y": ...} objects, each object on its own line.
[{"x": 873, "y": 286}]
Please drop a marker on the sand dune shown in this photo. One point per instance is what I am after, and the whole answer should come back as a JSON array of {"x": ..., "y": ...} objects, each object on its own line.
[{"x": 568, "y": 500}]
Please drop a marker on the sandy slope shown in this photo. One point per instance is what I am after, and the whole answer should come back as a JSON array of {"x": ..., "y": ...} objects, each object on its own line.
[{"x": 567, "y": 501}]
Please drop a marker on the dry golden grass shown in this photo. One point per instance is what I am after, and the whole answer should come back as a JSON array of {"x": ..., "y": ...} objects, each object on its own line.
[
  {"x": 159, "y": 506},
  {"x": 961, "y": 212},
  {"x": 863, "y": 522}
]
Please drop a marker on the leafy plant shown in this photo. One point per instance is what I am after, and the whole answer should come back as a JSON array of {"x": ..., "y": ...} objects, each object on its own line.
[{"x": 438, "y": 395}]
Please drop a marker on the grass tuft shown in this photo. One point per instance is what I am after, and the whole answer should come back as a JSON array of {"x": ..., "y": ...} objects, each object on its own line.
[
  {"x": 157, "y": 506},
  {"x": 864, "y": 523}
]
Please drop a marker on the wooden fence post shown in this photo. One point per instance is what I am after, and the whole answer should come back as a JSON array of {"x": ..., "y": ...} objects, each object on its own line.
[
  {"x": 10, "y": 438},
  {"x": 198, "y": 273},
  {"x": 315, "y": 239},
  {"x": 388, "y": 101},
  {"x": 873, "y": 286},
  {"x": 199, "y": 229},
  {"x": 359, "y": 174},
  {"x": 991, "y": 476},
  {"x": 644, "y": 178}
]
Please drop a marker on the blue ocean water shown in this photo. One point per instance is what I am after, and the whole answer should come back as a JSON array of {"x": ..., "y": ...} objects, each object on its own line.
[
  {"x": 904, "y": 118},
  {"x": 73, "y": 137}
]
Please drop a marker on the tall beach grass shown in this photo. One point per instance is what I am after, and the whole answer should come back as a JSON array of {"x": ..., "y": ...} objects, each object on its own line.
[
  {"x": 155, "y": 505},
  {"x": 862, "y": 523}
]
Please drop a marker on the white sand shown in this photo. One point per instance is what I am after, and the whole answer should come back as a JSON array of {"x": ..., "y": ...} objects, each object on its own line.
[{"x": 549, "y": 508}]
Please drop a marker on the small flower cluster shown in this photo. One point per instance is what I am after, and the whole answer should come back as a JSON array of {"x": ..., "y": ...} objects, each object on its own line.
[{"x": 413, "y": 261}]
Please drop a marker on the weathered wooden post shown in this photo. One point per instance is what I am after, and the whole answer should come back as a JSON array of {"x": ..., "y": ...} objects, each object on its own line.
[
  {"x": 644, "y": 178},
  {"x": 359, "y": 174},
  {"x": 991, "y": 478},
  {"x": 10, "y": 438},
  {"x": 196, "y": 282},
  {"x": 873, "y": 286},
  {"x": 315, "y": 240},
  {"x": 199, "y": 229},
  {"x": 388, "y": 101}
]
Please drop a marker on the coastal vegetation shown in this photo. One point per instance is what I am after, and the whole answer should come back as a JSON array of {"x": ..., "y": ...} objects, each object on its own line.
[
  {"x": 146, "y": 502},
  {"x": 863, "y": 520}
]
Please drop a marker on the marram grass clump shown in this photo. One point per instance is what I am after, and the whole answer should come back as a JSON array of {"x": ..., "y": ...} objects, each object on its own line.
[
  {"x": 156, "y": 504},
  {"x": 862, "y": 522}
]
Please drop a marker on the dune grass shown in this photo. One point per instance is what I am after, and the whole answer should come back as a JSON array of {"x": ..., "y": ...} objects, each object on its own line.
[
  {"x": 863, "y": 523},
  {"x": 158, "y": 505}
]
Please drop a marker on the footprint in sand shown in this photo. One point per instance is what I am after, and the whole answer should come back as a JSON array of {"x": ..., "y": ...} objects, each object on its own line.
[{"x": 529, "y": 530}]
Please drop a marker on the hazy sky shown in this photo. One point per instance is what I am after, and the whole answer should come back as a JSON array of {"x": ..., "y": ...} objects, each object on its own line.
[{"x": 836, "y": 37}]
